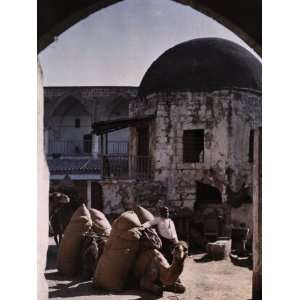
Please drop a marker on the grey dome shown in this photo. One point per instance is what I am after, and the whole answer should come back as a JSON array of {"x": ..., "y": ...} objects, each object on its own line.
[{"x": 204, "y": 64}]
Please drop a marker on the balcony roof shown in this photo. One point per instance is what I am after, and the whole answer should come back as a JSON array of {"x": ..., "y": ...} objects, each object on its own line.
[
  {"x": 103, "y": 127},
  {"x": 73, "y": 166}
]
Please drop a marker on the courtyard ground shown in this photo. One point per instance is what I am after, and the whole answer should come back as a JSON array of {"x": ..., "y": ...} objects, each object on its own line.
[{"x": 204, "y": 279}]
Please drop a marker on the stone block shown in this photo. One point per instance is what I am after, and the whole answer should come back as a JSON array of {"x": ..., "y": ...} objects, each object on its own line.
[
  {"x": 188, "y": 203},
  {"x": 216, "y": 250}
]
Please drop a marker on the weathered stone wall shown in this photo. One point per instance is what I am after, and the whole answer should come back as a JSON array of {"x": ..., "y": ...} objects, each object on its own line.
[
  {"x": 226, "y": 117},
  {"x": 257, "y": 217},
  {"x": 120, "y": 195},
  {"x": 103, "y": 103},
  {"x": 90, "y": 104}
]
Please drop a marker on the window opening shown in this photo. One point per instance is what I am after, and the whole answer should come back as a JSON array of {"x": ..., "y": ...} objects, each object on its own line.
[
  {"x": 87, "y": 143},
  {"x": 77, "y": 123},
  {"x": 193, "y": 146}
]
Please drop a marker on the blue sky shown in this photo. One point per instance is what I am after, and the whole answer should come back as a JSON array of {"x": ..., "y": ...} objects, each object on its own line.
[{"x": 116, "y": 45}]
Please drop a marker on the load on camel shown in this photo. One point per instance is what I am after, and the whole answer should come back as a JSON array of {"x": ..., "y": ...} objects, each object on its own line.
[
  {"x": 133, "y": 251},
  {"x": 83, "y": 241}
]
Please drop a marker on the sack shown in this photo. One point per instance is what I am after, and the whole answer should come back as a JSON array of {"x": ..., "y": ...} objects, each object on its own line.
[
  {"x": 119, "y": 253},
  {"x": 150, "y": 240},
  {"x": 68, "y": 257},
  {"x": 143, "y": 214},
  {"x": 113, "y": 268},
  {"x": 100, "y": 226},
  {"x": 126, "y": 221}
]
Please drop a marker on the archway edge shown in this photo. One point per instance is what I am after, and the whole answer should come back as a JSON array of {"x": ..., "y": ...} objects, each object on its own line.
[{"x": 56, "y": 16}]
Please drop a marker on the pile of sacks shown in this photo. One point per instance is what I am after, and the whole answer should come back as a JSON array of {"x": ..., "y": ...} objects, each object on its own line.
[
  {"x": 92, "y": 246},
  {"x": 77, "y": 250},
  {"x": 122, "y": 247}
]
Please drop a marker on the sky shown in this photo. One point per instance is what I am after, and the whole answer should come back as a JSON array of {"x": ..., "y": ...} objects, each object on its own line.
[{"x": 116, "y": 46}]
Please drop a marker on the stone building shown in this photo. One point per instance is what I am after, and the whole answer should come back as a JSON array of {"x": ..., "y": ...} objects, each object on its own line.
[
  {"x": 193, "y": 121},
  {"x": 71, "y": 149}
]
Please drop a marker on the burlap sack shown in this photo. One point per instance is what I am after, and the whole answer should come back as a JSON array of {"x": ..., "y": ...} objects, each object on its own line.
[
  {"x": 150, "y": 238},
  {"x": 119, "y": 253},
  {"x": 143, "y": 214},
  {"x": 126, "y": 221},
  {"x": 68, "y": 257},
  {"x": 101, "y": 226}
]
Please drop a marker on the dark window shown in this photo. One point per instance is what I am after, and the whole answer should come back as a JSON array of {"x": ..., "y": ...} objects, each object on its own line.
[
  {"x": 77, "y": 123},
  {"x": 87, "y": 143},
  {"x": 206, "y": 194},
  {"x": 251, "y": 147},
  {"x": 193, "y": 146}
]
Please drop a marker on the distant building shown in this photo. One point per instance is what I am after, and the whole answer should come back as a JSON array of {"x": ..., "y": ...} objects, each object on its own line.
[{"x": 71, "y": 149}]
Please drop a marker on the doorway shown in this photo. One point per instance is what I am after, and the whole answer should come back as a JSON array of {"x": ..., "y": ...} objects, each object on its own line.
[{"x": 97, "y": 196}]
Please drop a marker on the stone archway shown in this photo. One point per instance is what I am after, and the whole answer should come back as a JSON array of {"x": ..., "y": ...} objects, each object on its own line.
[
  {"x": 55, "y": 16},
  {"x": 241, "y": 17}
]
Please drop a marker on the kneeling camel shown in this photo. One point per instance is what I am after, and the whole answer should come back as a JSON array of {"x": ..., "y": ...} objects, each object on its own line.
[{"x": 155, "y": 273}]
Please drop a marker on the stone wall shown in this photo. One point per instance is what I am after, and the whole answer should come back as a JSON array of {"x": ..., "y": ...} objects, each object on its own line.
[
  {"x": 101, "y": 103},
  {"x": 120, "y": 195},
  {"x": 226, "y": 116},
  {"x": 43, "y": 192}
]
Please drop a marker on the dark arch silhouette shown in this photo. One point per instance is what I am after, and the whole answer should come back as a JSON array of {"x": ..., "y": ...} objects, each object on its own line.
[{"x": 241, "y": 17}]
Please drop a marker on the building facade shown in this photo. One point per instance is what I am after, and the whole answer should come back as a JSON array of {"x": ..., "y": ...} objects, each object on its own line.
[
  {"x": 200, "y": 102},
  {"x": 72, "y": 150}
]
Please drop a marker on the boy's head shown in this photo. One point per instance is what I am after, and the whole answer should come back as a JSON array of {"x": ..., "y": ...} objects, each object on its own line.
[{"x": 164, "y": 212}]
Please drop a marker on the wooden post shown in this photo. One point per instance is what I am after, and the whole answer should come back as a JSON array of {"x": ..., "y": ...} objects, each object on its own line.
[
  {"x": 257, "y": 217},
  {"x": 106, "y": 143},
  {"x": 101, "y": 140}
]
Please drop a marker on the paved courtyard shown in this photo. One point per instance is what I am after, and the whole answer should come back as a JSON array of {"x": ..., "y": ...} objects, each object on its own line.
[{"x": 204, "y": 279}]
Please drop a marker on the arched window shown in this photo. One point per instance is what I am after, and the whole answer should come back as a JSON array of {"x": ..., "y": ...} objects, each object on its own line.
[{"x": 207, "y": 194}]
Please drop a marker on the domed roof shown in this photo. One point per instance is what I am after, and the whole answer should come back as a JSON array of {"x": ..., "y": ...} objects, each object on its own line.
[{"x": 204, "y": 64}]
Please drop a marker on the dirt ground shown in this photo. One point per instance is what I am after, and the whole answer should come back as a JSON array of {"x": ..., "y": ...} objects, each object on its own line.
[{"x": 204, "y": 279}]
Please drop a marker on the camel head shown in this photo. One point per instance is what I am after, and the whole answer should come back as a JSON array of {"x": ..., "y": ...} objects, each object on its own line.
[
  {"x": 180, "y": 251},
  {"x": 59, "y": 198},
  {"x": 56, "y": 200}
]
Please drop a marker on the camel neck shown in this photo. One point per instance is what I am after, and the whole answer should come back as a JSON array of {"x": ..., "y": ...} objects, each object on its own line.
[{"x": 176, "y": 268}]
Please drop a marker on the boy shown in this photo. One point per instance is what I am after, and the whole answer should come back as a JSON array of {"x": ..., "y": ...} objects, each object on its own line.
[{"x": 166, "y": 230}]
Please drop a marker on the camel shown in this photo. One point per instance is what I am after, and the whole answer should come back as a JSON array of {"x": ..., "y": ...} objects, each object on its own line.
[
  {"x": 60, "y": 213},
  {"x": 56, "y": 200},
  {"x": 155, "y": 273}
]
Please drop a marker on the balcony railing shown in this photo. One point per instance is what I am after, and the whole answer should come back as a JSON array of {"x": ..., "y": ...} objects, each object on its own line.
[
  {"x": 80, "y": 147},
  {"x": 125, "y": 166}
]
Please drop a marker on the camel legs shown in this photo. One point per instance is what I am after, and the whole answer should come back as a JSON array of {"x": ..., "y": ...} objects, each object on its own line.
[
  {"x": 176, "y": 287},
  {"x": 150, "y": 286},
  {"x": 148, "y": 280}
]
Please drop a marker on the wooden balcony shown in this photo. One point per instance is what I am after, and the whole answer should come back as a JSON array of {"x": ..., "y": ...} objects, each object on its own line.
[
  {"x": 125, "y": 166},
  {"x": 84, "y": 147}
]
